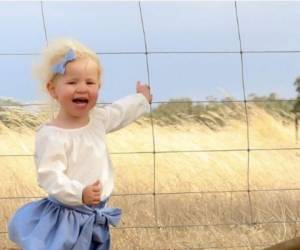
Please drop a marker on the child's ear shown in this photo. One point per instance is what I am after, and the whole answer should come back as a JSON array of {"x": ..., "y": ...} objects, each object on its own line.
[{"x": 51, "y": 89}]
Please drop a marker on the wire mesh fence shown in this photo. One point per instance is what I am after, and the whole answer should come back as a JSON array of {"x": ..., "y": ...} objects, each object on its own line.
[{"x": 249, "y": 195}]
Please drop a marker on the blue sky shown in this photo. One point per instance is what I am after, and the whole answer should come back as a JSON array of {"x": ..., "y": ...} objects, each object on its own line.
[{"x": 110, "y": 27}]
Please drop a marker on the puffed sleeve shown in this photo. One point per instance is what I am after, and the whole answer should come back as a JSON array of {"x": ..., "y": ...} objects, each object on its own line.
[
  {"x": 51, "y": 163},
  {"x": 124, "y": 111}
]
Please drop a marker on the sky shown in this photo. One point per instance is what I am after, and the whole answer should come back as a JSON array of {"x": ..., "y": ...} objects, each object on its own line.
[{"x": 193, "y": 47}]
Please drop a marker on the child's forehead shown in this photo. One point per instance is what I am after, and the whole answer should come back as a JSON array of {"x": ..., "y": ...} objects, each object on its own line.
[{"x": 82, "y": 65}]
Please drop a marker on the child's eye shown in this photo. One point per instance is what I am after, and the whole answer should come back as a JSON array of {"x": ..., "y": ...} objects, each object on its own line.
[
  {"x": 71, "y": 83},
  {"x": 90, "y": 83}
]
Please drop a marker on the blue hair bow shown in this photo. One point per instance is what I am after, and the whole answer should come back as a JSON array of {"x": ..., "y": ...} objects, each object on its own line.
[{"x": 59, "y": 68}]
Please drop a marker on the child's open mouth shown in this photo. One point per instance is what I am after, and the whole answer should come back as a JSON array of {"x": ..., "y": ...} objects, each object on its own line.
[{"x": 80, "y": 101}]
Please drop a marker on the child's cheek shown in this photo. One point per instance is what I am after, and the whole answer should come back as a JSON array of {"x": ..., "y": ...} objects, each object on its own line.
[{"x": 95, "y": 96}]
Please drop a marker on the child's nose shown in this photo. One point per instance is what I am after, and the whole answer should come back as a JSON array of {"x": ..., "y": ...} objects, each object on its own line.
[{"x": 81, "y": 86}]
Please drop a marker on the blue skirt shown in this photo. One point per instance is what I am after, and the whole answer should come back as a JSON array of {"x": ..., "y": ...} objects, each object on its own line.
[{"x": 48, "y": 224}]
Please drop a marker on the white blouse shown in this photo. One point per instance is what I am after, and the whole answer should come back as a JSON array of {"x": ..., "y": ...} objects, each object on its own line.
[{"x": 67, "y": 160}]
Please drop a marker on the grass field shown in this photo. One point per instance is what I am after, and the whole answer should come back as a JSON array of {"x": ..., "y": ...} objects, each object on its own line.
[{"x": 201, "y": 198}]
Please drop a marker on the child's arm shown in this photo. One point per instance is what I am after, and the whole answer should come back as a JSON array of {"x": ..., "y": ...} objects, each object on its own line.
[
  {"x": 51, "y": 163},
  {"x": 128, "y": 109}
]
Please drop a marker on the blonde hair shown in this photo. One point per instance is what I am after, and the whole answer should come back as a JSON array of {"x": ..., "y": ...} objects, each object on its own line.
[{"x": 54, "y": 52}]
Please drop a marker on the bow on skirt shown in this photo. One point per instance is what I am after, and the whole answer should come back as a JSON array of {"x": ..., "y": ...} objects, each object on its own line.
[{"x": 48, "y": 224}]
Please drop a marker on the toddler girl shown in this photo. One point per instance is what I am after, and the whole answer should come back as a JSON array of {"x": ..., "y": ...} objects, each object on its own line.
[{"x": 71, "y": 155}]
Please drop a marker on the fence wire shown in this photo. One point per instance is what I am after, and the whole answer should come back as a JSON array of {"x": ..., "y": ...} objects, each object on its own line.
[{"x": 155, "y": 193}]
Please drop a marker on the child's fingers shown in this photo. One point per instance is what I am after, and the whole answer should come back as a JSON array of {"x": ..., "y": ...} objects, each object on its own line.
[
  {"x": 96, "y": 189},
  {"x": 96, "y": 198},
  {"x": 96, "y": 183},
  {"x": 96, "y": 193}
]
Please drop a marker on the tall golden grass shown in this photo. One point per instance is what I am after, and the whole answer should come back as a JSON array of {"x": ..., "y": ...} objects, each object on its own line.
[{"x": 181, "y": 200}]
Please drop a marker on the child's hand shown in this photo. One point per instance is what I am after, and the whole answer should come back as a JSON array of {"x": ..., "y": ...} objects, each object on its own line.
[
  {"x": 91, "y": 194},
  {"x": 145, "y": 90}
]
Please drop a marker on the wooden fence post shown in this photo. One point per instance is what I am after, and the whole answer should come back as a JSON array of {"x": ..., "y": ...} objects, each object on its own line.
[{"x": 293, "y": 244}]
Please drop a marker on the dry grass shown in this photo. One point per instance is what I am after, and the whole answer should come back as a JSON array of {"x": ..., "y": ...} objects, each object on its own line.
[{"x": 207, "y": 173}]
